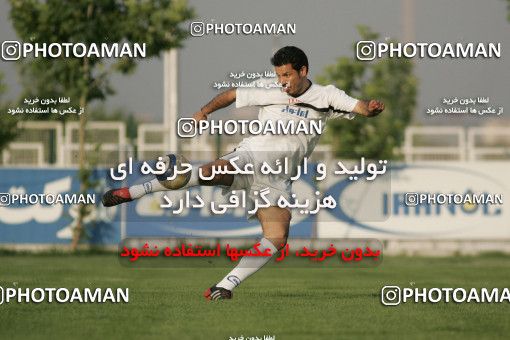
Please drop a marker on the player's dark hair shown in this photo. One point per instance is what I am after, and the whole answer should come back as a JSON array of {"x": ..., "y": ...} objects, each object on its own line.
[{"x": 290, "y": 55}]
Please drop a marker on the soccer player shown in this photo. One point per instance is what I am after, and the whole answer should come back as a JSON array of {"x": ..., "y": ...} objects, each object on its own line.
[{"x": 297, "y": 99}]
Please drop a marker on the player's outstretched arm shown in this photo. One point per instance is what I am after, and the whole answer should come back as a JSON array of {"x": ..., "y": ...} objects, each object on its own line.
[
  {"x": 369, "y": 108},
  {"x": 222, "y": 100}
]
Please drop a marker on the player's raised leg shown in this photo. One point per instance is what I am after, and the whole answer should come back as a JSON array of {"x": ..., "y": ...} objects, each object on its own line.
[
  {"x": 127, "y": 194},
  {"x": 275, "y": 223}
]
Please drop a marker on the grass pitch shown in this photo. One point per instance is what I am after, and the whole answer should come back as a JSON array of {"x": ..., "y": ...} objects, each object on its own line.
[{"x": 288, "y": 303}]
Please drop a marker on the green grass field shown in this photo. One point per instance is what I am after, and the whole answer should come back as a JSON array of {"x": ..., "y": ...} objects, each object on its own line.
[{"x": 289, "y": 303}]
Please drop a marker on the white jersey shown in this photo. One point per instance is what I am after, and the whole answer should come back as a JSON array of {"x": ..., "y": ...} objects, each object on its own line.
[{"x": 318, "y": 103}]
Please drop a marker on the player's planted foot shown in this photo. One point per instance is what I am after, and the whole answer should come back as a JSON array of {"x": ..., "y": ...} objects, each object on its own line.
[
  {"x": 116, "y": 197},
  {"x": 217, "y": 293}
]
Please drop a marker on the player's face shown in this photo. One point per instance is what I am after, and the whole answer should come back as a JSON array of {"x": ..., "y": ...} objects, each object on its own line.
[{"x": 293, "y": 82}]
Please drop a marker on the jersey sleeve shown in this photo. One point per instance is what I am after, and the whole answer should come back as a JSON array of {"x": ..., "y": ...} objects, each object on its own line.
[
  {"x": 340, "y": 103},
  {"x": 252, "y": 95}
]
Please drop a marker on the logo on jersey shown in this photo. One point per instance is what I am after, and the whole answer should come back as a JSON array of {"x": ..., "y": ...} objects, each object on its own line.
[{"x": 295, "y": 111}]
